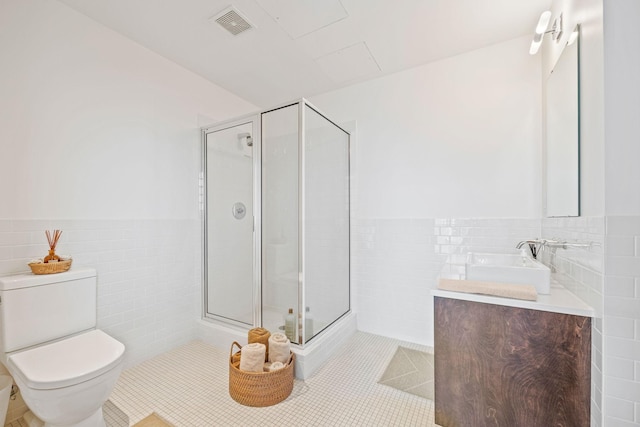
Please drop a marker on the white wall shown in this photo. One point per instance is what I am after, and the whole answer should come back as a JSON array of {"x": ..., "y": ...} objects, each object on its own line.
[
  {"x": 622, "y": 207},
  {"x": 93, "y": 125},
  {"x": 457, "y": 137},
  {"x": 446, "y": 160},
  {"x": 100, "y": 138},
  {"x": 622, "y": 106}
]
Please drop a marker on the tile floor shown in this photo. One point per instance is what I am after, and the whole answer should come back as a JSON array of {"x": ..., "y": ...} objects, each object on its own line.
[{"x": 188, "y": 386}]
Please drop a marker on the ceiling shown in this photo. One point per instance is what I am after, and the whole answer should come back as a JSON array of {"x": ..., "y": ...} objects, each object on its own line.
[{"x": 302, "y": 48}]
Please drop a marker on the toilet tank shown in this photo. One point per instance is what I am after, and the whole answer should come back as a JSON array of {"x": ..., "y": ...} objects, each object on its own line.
[{"x": 35, "y": 309}]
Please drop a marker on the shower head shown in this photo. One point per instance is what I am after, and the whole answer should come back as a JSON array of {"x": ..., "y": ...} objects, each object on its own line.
[{"x": 247, "y": 138}]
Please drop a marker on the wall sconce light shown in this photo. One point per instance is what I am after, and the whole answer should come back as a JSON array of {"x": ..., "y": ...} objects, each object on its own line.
[
  {"x": 541, "y": 30},
  {"x": 574, "y": 35}
]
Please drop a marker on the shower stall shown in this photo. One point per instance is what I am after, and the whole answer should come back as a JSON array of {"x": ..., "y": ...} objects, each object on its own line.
[{"x": 276, "y": 221}]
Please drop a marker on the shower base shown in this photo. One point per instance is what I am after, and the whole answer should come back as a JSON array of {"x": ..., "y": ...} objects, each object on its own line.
[{"x": 308, "y": 359}]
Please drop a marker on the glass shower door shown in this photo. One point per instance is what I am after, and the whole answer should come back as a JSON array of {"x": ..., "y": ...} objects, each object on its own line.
[
  {"x": 280, "y": 223},
  {"x": 305, "y": 221},
  {"x": 277, "y": 222},
  {"x": 326, "y": 222},
  {"x": 231, "y": 285}
]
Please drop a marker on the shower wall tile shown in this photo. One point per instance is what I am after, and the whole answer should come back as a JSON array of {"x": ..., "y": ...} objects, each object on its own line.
[{"x": 149, "y": 271}]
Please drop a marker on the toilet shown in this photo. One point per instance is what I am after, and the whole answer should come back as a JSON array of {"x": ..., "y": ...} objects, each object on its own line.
[{"x": 64, "y": 367}]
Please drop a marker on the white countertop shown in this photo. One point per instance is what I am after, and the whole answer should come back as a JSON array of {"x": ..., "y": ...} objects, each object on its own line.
[{"x": 559, "y": 300}]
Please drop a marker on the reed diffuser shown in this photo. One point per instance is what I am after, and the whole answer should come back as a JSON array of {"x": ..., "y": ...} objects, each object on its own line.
[
  {"x": 53, "y": 241},
  {"x": 52, "y": 263}
]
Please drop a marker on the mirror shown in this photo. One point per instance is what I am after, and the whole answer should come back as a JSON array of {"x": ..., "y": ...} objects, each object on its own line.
[{"x": 563, "y": 135}]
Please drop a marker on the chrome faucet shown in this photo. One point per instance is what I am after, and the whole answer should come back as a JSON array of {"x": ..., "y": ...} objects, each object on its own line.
[
  {"x": 535, "y": 246},
  {"x": 530, "y": 242},
  {"x": 566, "y": 245}
]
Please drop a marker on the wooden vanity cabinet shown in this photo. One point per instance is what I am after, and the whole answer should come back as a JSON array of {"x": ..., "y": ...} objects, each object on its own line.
[{"x": 506, "y": 366}]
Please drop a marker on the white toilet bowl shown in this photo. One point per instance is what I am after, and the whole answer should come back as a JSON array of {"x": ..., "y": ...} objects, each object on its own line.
[
  {"x": 65, "y": 383},
  {"x": 64, "y": 367}
]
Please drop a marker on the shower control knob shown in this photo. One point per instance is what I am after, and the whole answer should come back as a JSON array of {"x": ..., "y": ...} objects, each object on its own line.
[{"x": 239, "y": 210}]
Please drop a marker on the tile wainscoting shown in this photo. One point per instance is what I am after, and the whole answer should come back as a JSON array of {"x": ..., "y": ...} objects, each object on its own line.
[
  {"x": 621, "y": 333},
  {"x": 396, "y": 262},
  {"x": 149, "y": 281},
  {"x": 148, "y": 274}
]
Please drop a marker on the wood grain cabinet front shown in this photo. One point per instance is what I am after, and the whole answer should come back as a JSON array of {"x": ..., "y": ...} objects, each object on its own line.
[{"x": 507, "y": 366}]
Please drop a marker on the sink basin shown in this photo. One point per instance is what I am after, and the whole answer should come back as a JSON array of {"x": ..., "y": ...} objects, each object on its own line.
[{"x": 508, "y": 268}]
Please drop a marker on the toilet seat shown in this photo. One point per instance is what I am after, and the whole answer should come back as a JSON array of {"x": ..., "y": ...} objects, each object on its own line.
[{"x": 67, "y": 362}]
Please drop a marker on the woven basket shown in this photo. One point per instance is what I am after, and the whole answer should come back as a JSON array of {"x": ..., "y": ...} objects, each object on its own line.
[
  {"x": 259, "y": 388},
  {"x": 50, "y": 267}
]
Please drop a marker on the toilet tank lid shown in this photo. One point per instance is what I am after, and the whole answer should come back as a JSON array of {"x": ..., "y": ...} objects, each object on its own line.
[
  {"x": 67, "y": 362},
  {"x": 26, "y": 280}
]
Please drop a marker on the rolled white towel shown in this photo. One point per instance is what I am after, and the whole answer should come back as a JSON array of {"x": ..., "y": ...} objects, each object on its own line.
[
  {"x": 275, "y": 366},
  {"x": 279, "y": 348},
  {"x": 252, "y": 357}
]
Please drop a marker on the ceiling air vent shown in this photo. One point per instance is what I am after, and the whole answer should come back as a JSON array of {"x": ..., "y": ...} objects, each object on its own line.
[{"x": 231, "y": 20}]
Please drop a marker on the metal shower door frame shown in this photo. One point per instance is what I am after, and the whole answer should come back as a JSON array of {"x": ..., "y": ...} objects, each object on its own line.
[{"x": 254, "y": 119}]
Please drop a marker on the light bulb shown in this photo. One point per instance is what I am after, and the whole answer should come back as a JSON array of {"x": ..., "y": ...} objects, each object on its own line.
[{"x": 543, "y": 22}]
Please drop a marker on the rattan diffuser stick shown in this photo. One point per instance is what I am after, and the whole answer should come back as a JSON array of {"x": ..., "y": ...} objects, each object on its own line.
[{"x": 53, "y": 241}]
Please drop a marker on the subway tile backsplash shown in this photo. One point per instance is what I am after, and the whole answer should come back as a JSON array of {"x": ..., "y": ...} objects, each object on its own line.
[
  {"x": 456, "y": 237},
  {"x": 396, "y": 263},
  {"x": 585, "y": 266}
]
